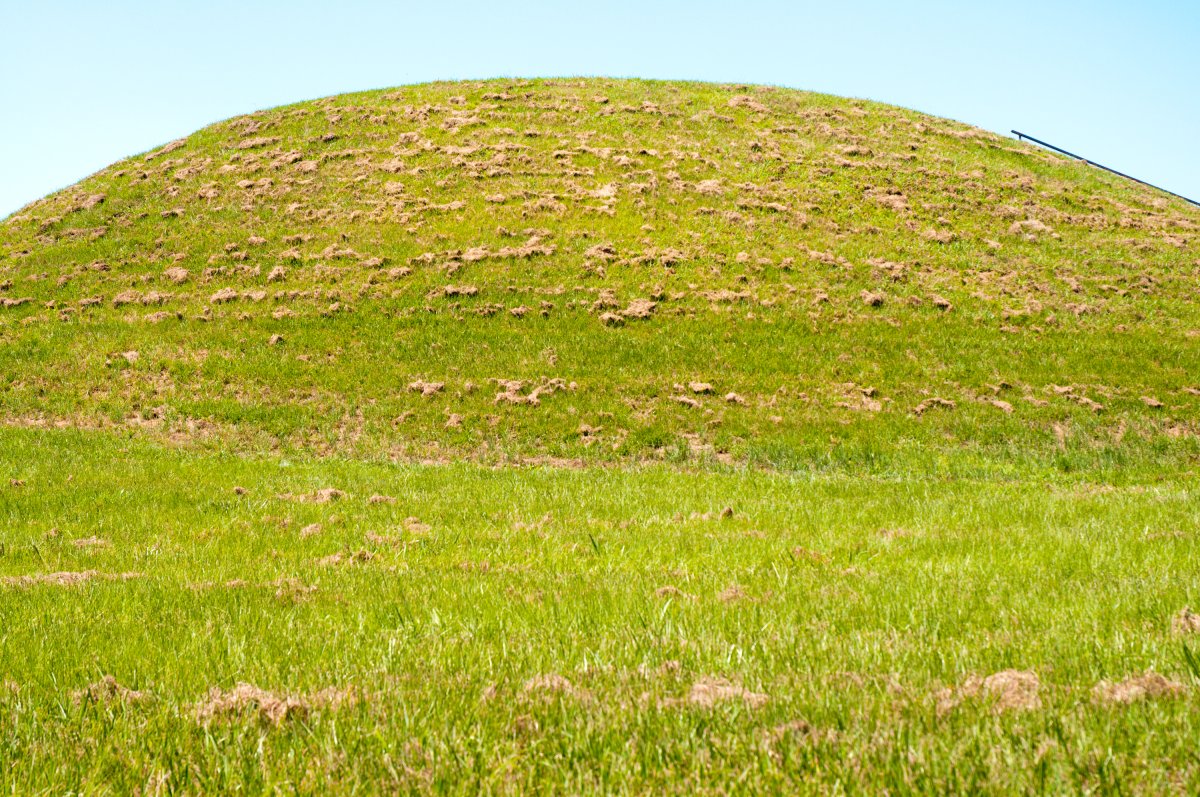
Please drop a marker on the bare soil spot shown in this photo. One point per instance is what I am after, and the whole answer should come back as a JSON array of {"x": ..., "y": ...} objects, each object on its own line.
[
  {"x": 269, "y": 708},
  {"x": 256, "y": 143},
  {"x": 1131, "y": 690},
  {"x": 356, "y": 557},
  {"x": 612, "y": 319},
  {"x": 426, "y": 388},
  {"x": 732, "y": 594},
  {"x": 747, "y": 102},
  {"x": 552, "y": 684},
  {"x": 1186, "y": 622},
  {"x": 708, "y": 692},
  {"x": 639, "y": 309},
  {"x": 66, "y": 578},
  {"x": 931, "y": 403},
  {"x": 510, "y": 392},
  {"x": 1009, "y": 690}
]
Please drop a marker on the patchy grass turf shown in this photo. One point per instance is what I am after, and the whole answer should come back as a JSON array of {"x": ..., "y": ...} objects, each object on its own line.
[
  {"x": 559, "y": 261},
  {"x": 597, "y": 630},
  {"x": 945, "y": 384}
]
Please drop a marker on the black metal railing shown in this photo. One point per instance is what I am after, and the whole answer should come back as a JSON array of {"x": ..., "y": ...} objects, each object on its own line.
[{"x": 1023, "y": 136}]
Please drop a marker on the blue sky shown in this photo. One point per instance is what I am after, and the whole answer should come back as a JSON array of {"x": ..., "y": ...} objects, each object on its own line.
[{"x": 87, "y": 83}]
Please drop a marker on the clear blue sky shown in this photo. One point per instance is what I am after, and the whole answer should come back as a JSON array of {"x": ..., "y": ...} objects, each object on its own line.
[{"x": 86, "y": 83}]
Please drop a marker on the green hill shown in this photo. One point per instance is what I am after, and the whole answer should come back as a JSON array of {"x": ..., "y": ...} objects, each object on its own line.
[
  {"x": 608, "y": 270},
  {"x": 599, "y": 437}
]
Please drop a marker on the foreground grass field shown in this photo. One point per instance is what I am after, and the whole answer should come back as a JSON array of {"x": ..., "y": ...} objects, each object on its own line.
[{"x": 536, "y": 629}]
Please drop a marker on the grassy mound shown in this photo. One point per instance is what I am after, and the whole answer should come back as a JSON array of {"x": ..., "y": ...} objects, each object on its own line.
[
  {"x": 610, "y": 270},
  {"x": 881, "y": 435}
]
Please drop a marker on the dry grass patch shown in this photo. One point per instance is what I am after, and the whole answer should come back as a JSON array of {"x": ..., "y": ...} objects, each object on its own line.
[
  {"x": 106, "y": 691},
  {"x": 1007, "y": 690},
  {"x": 247, "y": 700},
  {"x": 1131, "y": 690}
]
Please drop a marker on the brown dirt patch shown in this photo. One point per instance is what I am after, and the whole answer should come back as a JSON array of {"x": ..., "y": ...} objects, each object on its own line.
[
  {"x": 66, "y": 578},
  {"x": 640, "y": 309},
  {"x": 1010, "y": 690},
  {"x": 552, "y": 684},
  {"x": 426, "y": 388},
  {"x": 248, "y": 700},
  {"x": 929, "y": 403},
  {"x": 1131, "y": 690},
  {"x": 356, "y": 557},
  {"x": 732, "y": 594},
  {"x": 708, "y": 691},
  {"x": 747, "y": 102},
  {"x": 256, "y": 143},
  {"x": 323, "y": 496},
  {"x": 1186, "y": 622}
]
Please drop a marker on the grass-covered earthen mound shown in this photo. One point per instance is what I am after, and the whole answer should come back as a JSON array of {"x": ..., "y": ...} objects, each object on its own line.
[
  {"x": 604, "y": 269},
  {"x": 247, "y": 382}
]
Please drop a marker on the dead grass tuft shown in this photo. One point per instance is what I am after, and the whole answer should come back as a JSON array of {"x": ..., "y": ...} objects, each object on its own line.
[
  {"x": 426, "y": 388},
  {"x": 1186, "y": 622},
  {"x": 323, "y": 496},
  {"x": 708, "y": 692},
  {"x": 1009, "y": 690},
  {"x": 671, "y": 591},
  {"x": 106, "y": 691},
  {"x": 551, "y": 684},
  {"x": 66, "y": 578},
  {"x": 1131, "y": 690},
  {"x": 269, "y": 708}
]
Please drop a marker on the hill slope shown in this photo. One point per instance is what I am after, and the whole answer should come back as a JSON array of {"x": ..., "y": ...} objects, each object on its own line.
[
  {"x": 602, "y": 269},
  {"x": 989, "y": 354}
]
